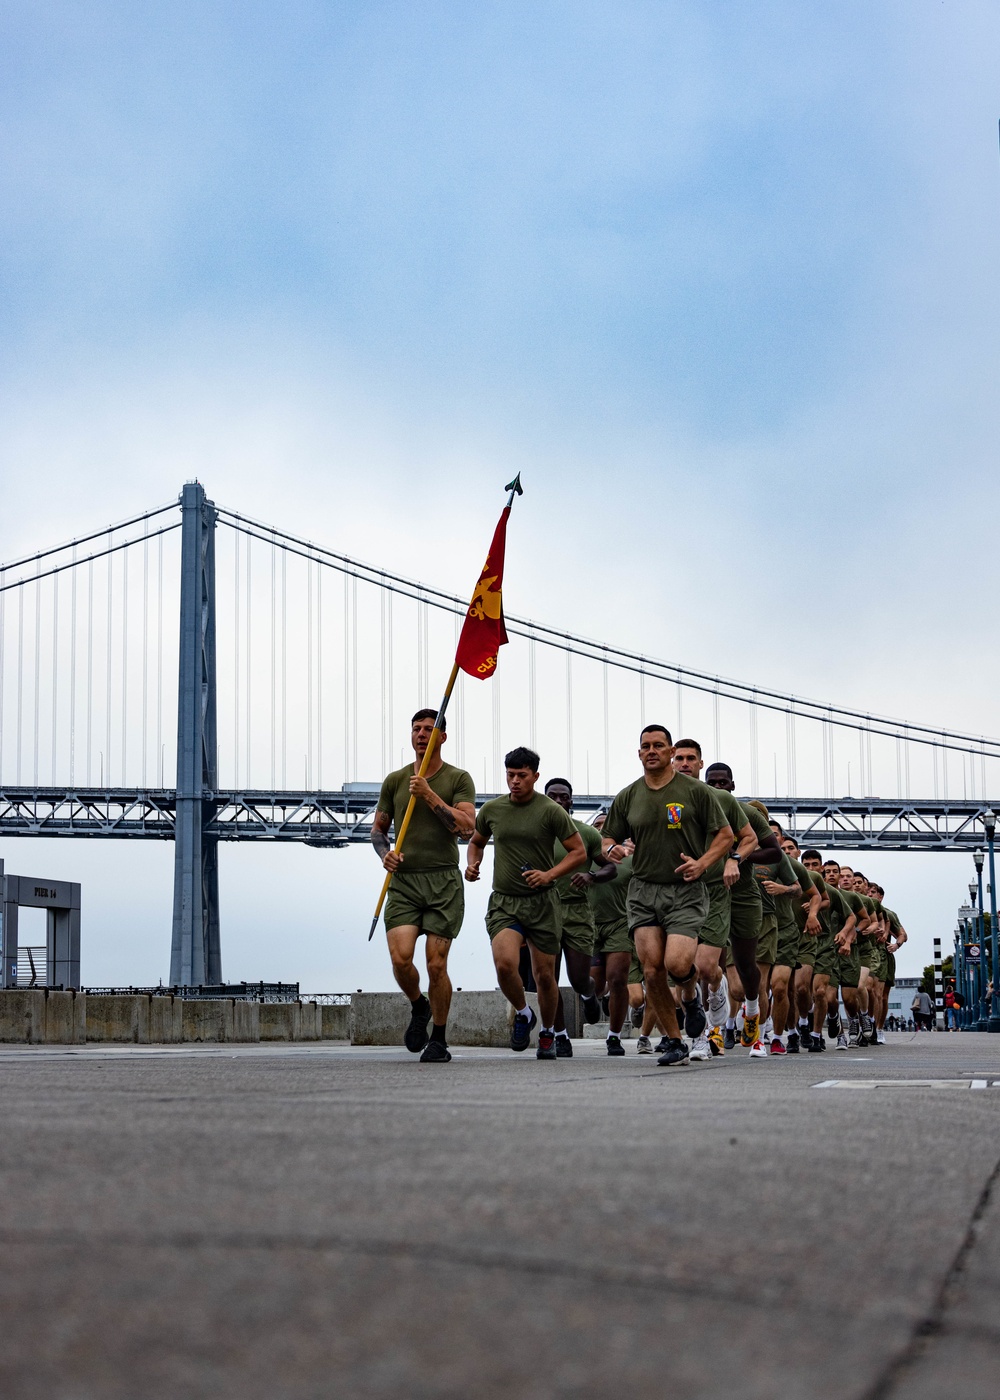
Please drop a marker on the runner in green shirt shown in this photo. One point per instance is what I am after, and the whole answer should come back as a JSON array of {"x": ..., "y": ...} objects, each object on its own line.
[
  {"x": 425, "y": 894},
  {"x": 524, "y": 908},
  {"x": 679, "y": 832},
  {"x": 847, "y": 944},
  {"x": 779, "y": 885},
  {"x": 807, "y": 912},
  {"x": 577, "y": 918},
  {"x": 731, "y": 872},
  {"x": 867, "y": 928},
  {"x": 746, "y": 920}
]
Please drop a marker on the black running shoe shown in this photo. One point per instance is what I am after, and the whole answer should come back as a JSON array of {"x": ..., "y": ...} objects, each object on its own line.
[
  {"x": 792, "y": 1048},
  {"x": 695, "y": 1019},
  {"x": 729, "y": 1038},
  {"x": 435, "y": 1053},
  {"x": 605, "y": 1006},
  {"x": 564, "y": 1047},
  {"x": 615, "y": 1046},
  {"x": 546, "y": 1046},
  {"x": 636, "y": 1015},
  {"x": 663, "y": 1045},
  {"x": 591, "y": 1010},
  {"x": 415, "y": 1036},
  {"x": 676, "y": 1053},
  {"x": 520, "y": 1031},
  {"x": 816, "y": 1044},
  {"x": 833, "y": 1025}
]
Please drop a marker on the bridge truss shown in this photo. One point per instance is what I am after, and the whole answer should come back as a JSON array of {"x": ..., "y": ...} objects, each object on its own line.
[{"x": 341, "y": 818}]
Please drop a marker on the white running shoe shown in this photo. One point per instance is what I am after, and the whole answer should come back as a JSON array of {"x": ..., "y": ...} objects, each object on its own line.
[
  {"x": 758, "y": 1050},
  {"x": 718, "y": 1004},
  {"x": 768, "y": 1031},
  {"x": 643, "y": 1046},
  {"x": 842, "y": 1042},
  {"x": 881, "y": 1037},
  {"x": 701, "y": 1050}
]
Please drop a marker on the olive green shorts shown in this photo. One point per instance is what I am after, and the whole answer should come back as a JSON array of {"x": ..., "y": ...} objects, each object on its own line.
[
  {"x": 767, "y": 939},
  {"x": 679, "y": 908},
  {"x": 433, "y": 900},
  {"x": 534, "y": 916},
  {"x": 825, "y": 958},
  {"x": 850, "y": 967},
  {"x": 578, "y": 931},
  {"x": 808, "y": 948},
  {"x": 890, "y": 969},
  {"x": 877, "y": 965},
  {"x": 866, "y": 951},
  {"x": 613, "y": 938},
  {"x": 787, "y": 954},
  {"x": 635, "y": 977},
  {"x": 715, "y": 929},
  {"x": 745, "y": 913}
]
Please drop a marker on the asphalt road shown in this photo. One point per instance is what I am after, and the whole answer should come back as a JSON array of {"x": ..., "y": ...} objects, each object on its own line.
[{"x": 326, "y": 1221}]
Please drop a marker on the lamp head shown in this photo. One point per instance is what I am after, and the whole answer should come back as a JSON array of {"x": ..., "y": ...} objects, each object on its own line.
[
  {"x": 972, "y": 895},
  {"x": 990, "y": 822},
  {"x": 978, "y": 857}
]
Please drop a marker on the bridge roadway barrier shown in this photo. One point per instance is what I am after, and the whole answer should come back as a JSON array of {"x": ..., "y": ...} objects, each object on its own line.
[{"x": 42, "y": 1016}]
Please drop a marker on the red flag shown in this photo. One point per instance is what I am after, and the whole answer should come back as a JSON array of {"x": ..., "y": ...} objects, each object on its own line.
[{"x": 484, "y": 633}]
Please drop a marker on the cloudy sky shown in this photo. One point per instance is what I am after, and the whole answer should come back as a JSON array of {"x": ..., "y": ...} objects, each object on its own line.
[{"x": 720, "y": 279}]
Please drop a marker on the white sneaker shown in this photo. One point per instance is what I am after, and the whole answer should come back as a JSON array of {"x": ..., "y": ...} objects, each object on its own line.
[
  {"x": 842, "y": 1042},
  {"x": 880, "y": 1037},
  {"x": 643, "y": 1046},
  {"x": 700, "y": 1050},
  {"x": 718, "y": 1004},
  {"x": 759, "y": 1051}
]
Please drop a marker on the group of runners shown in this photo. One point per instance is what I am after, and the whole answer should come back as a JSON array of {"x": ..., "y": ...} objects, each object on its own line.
[{"x": 681, "y": 907}]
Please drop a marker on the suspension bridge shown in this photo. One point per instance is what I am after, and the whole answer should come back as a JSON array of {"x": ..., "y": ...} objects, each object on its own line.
[{"x": 273, "y": 678}]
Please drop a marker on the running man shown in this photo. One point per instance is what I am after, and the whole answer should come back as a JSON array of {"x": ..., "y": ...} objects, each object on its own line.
[
  {"x": 425, "y": 894},
  {"x": 713, "y": 938},
  {"x": 577, "y": 931},
  {"x": 679, "y": 832},
  {"x": 524, "y": 907},
  {"x": 847, "y": 969},
  {"x": 805, "y": 912},
  {"x": 613, "y": 952},
  {"x": 863, "y": 1031},
  {"x": 745, "y": 921},
  {"x": 778, "y": 952}
]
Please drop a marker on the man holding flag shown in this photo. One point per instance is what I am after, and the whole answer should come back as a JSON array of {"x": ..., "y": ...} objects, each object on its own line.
[
  {"x": 426, "y": 895},
  {"x": 441, "y": 808}
]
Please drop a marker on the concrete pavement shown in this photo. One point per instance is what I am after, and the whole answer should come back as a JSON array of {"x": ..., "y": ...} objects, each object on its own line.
[{"x": 319, "y": 1219}]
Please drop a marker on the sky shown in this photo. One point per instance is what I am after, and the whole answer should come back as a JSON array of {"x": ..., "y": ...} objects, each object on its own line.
[{"x": 720, "y": 279}]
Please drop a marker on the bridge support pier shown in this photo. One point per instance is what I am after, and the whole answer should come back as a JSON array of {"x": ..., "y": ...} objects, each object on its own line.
[{"x": 195, "y": 950}]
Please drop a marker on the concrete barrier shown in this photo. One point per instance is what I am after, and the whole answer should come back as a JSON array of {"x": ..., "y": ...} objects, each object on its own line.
[
  {"x": 335, "y": 1022},
  {"x": 118, "y": 1019},
  {"x": 477, "y": 1018},
  {"x": 290, "y": 1020},
  {"x": 166, "y": 1020}
]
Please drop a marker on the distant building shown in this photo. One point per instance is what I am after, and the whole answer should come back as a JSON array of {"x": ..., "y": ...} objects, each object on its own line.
[{"x": 901, "y": 996}]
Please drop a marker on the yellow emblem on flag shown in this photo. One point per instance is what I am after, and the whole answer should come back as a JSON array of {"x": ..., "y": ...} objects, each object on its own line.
[{"x": 485, "y": 601}]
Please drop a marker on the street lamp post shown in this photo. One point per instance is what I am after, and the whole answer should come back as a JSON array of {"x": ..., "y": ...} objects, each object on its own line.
[
  {"x": 956, "y": 977},
  {"x": 968, "y": 973},
  {"x": 990, "y": 825},
  {"x": 976, "y": 890}
]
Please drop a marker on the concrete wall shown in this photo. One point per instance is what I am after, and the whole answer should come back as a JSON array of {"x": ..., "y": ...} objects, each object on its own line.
[
  {"x": 477, "y": 1018},
  {"x": 37, "y": 1016},
  {"x": 42, "y": 1017}
]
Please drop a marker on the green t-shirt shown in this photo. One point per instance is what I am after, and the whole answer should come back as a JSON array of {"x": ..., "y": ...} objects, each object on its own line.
[
  {"x": 666, "y": 823},
  {"x": 428, "y": 845},
  {"x": 805, "y": 879},
  {"x": 840, "y": 910},
  {"x": 855, "y": 901},
  {"x": 824, "y": 889},
  {"x": 895, "y": 927},
  {"x": 783, "y": 874},
  {"x": 747, "y": 883},
  {"x": 524, "y": 833},
  {"x": 608, "y": 899},
  {"x": 736, "y": 818},
  {"x": 592, "y": 841}
]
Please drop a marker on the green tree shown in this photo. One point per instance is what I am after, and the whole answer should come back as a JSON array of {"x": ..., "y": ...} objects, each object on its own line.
[{"x": 947, "y": 972}]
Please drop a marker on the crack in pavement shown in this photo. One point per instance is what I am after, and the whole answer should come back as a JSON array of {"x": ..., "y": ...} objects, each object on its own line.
[
  {"x": 935, "y": 1319},
  {"x": 637, "y": 1277}
]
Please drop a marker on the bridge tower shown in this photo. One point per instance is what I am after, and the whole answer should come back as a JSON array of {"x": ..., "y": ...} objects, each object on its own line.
[{"x": 195, "y": 952}]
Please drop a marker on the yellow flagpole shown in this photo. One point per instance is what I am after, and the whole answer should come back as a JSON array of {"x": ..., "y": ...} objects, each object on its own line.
[{"x": 514, "y": 487}]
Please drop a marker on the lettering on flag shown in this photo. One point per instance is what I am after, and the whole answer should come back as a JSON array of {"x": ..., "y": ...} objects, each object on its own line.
[{"x": 483, "y": 632}]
